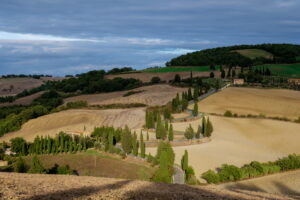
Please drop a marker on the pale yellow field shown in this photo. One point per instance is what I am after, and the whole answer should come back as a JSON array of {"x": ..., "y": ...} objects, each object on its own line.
[
  {"x": 74, "y": 121},
  {"x": 152, "y": 95},
  {"x": 287, "y": 183},
  {"x": 271, "y": 102},
  {"x": 240, "y": 141}
]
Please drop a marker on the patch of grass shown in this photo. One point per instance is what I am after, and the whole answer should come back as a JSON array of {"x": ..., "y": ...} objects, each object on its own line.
[
  {"x": 133, "y": 92},
  {"x": 255, "y": 53},
  {"x": 93, "y": 163},
  {"x": 287, "y": 70},
  {"x": 180, "y": 69}
]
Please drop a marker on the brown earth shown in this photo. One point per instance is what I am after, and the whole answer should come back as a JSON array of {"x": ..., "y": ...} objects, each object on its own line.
[
  {"x": 238, "y": 142},
  {"x": 271, "y": 102},
  {"x": 287, "y": 183},
  {"x": 35, "y": 186},
  {"x": 164, "y": 76},
  {"x": 151, "y": 95},
  {"x": 17, "y": 85},
  {"x": 78, "y": 121},
  {"x": 24, "y": 100}
]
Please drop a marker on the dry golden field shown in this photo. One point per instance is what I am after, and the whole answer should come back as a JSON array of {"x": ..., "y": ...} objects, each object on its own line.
[
  {"x": 287, "y": 183},
  {"x": 77, "y": 122},
  {"x": 239, "y": 141},
  {"x": 271, "y": 102},
  {"x": 151, "y": 95}
]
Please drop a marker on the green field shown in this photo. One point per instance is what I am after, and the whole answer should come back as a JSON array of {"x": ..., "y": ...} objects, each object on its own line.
[
  {"x": 255, "y": 53},
  {"x": 288, "y": 70},
  {"x": 180, "y": 69}
]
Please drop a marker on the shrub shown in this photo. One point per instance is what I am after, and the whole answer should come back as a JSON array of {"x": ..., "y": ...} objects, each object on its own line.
[
  {"x": 248, "y": 172},
  {"x": 155, "y": 80},
  {"x": 20, "y": 166},
  {"x": 288, "y": 163},
  {"x": 230, "y": 173},
  {"x": 64, "y": 170},
  {"x": 211, "y": 177},
  {"x": 189, "y": 133},
  {"x": 36, "y": 166},
  {"x": 228, "y": 113}
]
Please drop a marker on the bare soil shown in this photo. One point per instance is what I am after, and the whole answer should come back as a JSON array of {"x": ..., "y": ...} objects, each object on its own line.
[
  {"x": 151, "y": 95},
  {"x": 35, "y": 186}
]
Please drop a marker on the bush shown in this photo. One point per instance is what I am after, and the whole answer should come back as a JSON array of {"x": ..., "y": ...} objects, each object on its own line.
[
  {"x": 20, "y": 166},
  {"x": 211, "y": 177},
  {"x": 36, "y": 166},
  {"x": 288, "y": 163},
  {"x": 228, "y": 113},
  {"x": 230, "y": 173},
  {"x": 155, "y": 80}
]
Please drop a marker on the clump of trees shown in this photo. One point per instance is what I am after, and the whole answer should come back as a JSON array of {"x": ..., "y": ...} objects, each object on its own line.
[
  {"x": 203, "y": 130},
  {"x": 254, "y": 169},
  {"x": 61, "y": 143}
]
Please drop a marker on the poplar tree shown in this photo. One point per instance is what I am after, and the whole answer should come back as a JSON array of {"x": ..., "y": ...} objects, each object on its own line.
[
  {"x": 142, "y": 145},
  {"x": 185, "y": 161}
]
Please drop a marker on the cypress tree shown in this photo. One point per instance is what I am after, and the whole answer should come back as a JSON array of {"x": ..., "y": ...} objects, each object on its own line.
[
  {"x": 70, "y": 145},
  {"x": 209, "y": 128},
  {"x": 134, "y": 145},
  {"x": 66, "y": 146},
  {"x": 166, "y": 125},
  {"x": 147, "y": 136},
  {"x": 84, "y": 145},
  {"x": 126, "y": 140},
  {"x": 49, "y": 145},
  {"x": 190, "y": 97},
  {"x": 189, "y": 132},
  {"x": 110, "y": 140},
  {"x": 204, "y": 127},
  {"x": 195, "y": 110},
  {"x": 196, "y": 93},
  {"x": 158, "y": 131},
  {"x": 171, "y": 133},
  {"x": 36, "y": 166},
  {"x": 185, "y": 161},
  {"x": 198, "y": 132},
  {"x": 142, "y": 145}
]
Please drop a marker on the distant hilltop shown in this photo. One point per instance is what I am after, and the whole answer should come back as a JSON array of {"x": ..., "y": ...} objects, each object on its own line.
[{"x": 241, "y": 55}]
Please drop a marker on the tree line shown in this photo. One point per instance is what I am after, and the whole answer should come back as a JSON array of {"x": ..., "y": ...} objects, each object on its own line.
[{"x": 282, "y": 53}]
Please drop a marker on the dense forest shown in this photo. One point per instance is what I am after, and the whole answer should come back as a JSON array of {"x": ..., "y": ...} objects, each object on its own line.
[{"x": 282, "y": 53}]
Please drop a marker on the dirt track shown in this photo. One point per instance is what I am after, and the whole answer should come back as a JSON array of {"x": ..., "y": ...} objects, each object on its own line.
[
  {"x": 151, "y": 95},
  {"x": 34, "y": 187}
]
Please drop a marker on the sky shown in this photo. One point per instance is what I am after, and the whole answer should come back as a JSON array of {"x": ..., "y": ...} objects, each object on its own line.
[{"x": 60, "y": 37}]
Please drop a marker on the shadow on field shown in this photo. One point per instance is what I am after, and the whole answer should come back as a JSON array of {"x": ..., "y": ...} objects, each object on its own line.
[
  {"x": 248, "y": 187},
  {"x": 286, "y": 190},
  {"x": 73, "y": 193},
  {"x": 161, "y": 191}
]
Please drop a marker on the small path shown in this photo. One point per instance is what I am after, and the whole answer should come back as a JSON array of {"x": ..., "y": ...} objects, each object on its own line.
[{"x": 178, "y": 176}]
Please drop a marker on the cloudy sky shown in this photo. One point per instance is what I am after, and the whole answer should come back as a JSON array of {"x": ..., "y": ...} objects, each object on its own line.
[{"x": 61, "y": 37}]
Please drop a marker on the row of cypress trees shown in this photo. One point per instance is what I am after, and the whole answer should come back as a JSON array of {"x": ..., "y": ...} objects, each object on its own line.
[{"x": 205, "y": 129}]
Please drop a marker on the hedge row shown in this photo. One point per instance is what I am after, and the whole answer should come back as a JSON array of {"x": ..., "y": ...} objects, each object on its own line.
[{"x": 228, "y": 173}]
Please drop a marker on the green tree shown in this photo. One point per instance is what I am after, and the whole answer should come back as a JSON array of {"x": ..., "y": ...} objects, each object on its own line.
[
  {"x": 184, "y": 104},
  {"x": 211, "y": 75},
  {"x": 36, "y": 166},
  {"x": 134, "y": 145},
  {"x": 126, "y": 140},
  {"x": 189, "y": 132},
  {"x": 147, "y": 136},
  {"x": 190, "y": 96},
  {"x": 110, "y": 140},
  {"x": 171, "y": 133},
  {"x": 209, "y": 128},
  {"x": 17, "y": 144},
  {"x": 195, "y": 110},
  {"x": 142, "y": 146},
  {"x": 20, "y": 166},
  {"x": 204, "y": 129},
  {"x": 223, "y": 73},
  {"x": 185, "y": 161},
  {"x": 196, "y": 93},
  {"x": 177, "y": 78}
]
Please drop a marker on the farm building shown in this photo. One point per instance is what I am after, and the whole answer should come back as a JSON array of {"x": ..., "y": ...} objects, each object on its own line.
[
  {"x": 238, "y": 81},
  {"x": 294, "y": 81}
]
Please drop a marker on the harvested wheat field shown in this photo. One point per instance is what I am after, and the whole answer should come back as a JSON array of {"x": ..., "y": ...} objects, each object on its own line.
[
  {"x": 149, "y": 95},
  {"x": 239, "y": 141},
  {"x": 24, "y": 100},
  {"x": 164, "y": 76},
  {"x": 287, "y": 183},
  {"x": 271, "y": 102},
  {"x": 36, "y": 186},
  {"x": 78, "y": 121}
]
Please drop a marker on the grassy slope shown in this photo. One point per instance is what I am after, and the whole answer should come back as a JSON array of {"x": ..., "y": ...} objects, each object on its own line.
[
  {"x": 288, "y": 70},
  {"x": 255, "y": 53},
  {"x": 180, "y": 69},
  {"x": 93, "y": 163}
]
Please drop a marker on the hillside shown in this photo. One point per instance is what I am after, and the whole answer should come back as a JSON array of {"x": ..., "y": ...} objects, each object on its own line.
[
  {"x": 244, "y": 101},
  {"x": 255, "y": 53},
  {"x": 149, "y": 95},
  {"x": 283, "y": 53},
  {"x": 35, "y": 186}
]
